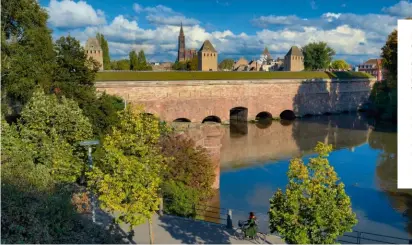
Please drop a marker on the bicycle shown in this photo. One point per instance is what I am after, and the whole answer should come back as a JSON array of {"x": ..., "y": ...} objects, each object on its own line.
[{"x": 240, "y": 234}]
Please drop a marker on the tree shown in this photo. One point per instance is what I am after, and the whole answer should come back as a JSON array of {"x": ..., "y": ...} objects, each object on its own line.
[
  {"x": 314, "y": 209},
  {"x": 226, "y": 64},
  {"x": 188, "y": 164},
  {"x": 105, "y": 47},
  {"x": 141, "y": 61},
  {"x": 26, "y": 52},
  {"x": 340, "y": 64},
  {"x": 127, "y": 176},
  {"x": 48, "y": 133},
  {"x": 120, "y": 65},
  {"x": 180, "y": 66},
  {"x": 133, "y": 60},
  {"x": 317, "y": 55},
  {"x": 390, "y": 58},
  {"x": 193, "y": 63}
]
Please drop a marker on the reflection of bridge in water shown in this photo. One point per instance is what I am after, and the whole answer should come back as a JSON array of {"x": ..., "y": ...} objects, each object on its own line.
[{"x": 245, "y": 144}]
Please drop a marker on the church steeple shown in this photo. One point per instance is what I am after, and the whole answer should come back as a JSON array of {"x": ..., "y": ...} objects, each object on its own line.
[
  {"x": 181, "y": 29},
  {"x": 181, "y": 45}
]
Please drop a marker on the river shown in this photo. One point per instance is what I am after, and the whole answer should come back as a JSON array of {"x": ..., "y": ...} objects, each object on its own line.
[{"x": 255, "y": 159}]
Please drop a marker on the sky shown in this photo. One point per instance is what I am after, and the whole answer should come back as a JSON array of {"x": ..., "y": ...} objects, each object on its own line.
[{"x": 355, "y": 29}]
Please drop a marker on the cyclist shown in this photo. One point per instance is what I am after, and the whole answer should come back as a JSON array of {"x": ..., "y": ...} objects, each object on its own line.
[{"x": 249, "y": 227}]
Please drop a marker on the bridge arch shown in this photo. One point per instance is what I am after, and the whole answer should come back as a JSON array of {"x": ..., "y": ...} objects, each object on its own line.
[
  {"x": 238, "y": 114},
  {"x": 287, "y": 115},
  {"x": 215, "y": 119},
  {"x": 264, "y": 115},
  {"x": 181, "y": 119}
]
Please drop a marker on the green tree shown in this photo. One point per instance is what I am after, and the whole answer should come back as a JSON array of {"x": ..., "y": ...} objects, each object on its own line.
[
  {"x": 50, "y": 131},
  {"x": 193, "y": 63},
  {"x": 120, "y": 65},
  {"x": 105, "y": 47},
  {"x": 188, "y": 164},
  {"x": 133, "y": 60},
  {"x": 340, "y": 64},
  {"x": 314, "y": 209},
  {"x": 127, "y": 175},
  {"x": 26, "y": 52},
  {"x": 227, "y": 64},
  {"x": 180, "y": 66},
  {"x": 390, "y": 59},
  {"x": 141, "y": 61},
  {"x": 317, "y": 55}
]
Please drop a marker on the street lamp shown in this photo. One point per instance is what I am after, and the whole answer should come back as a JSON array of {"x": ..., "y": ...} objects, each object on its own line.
[{"x": 89, "y": 144}]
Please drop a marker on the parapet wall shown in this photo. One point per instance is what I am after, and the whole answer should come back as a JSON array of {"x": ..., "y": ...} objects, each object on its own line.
[{"x": 198, "y": 99}]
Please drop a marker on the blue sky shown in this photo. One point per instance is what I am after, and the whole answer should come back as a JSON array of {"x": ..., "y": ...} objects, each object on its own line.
[{"x": 355, "y": 29}]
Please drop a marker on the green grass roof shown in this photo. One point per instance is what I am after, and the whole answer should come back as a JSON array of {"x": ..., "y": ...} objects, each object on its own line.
[{"x": 174, "y": 75}]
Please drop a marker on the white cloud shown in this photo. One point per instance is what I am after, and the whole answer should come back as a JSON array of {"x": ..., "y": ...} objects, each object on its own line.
[
  {"x": 137, "y": 8},
  {"x": 264, "y": 21},
  {"x": 172, "y": 20},
  {"x": 163, "y": 15},
  {"x": 71, "y": 14},
  {"x": 402, "y": 9}
]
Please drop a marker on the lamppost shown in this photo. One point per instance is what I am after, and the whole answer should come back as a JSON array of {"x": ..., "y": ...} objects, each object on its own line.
[{"x": 89, "y": 144}]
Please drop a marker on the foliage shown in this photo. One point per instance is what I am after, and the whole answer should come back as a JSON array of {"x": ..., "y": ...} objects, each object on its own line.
[
  {"x": 390, "y": 59},
  {"x": 180, "y": 66},
  {"x": 31, "y": 215},
  {"x": 133, "y": 60},
  {"x": 384, "y": 98},
  {"x": 340, "y": 64},
  {"x": 176, "y": 75},
  {"x": 189, "y": 164},
  {"x": 105, "y": 47},
  {"x": 47, "y": 134},
  {"x": 227, "y": 64},
  {"x": 314, "y": 207},
  {"x": 317, "y": 55},
  {"x": 120, "y": 65},
  {"x": 141, "y": 62},
  {"x": 192, "y": 64},
  {"x": 26, "y": 51},
  {"x": 179, "y": 198},
  {"x": 127, "y": 174}
]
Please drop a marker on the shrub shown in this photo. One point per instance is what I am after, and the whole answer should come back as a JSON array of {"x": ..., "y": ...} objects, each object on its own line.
[{"x": 179, "y": 199}]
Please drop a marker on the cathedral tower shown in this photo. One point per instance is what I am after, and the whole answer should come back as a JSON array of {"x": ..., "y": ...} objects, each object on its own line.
[{"x": 181, "y": 45}]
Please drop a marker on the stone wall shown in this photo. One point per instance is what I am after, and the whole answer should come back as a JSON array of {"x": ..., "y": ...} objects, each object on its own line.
[{"x": 196, "y": 100}]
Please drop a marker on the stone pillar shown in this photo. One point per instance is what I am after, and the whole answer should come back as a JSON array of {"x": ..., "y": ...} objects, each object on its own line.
[{"x": 212, "y": 142}]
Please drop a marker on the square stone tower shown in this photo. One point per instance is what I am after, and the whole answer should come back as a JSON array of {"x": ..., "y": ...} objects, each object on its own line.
[
  {"x": 94, "y": 50},
  {"x": 207, "y": 56},
  {"x": 294, "y": 60}
]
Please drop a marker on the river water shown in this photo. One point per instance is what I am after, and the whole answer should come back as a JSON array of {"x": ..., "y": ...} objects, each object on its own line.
[{"x": 255, "y": 159}]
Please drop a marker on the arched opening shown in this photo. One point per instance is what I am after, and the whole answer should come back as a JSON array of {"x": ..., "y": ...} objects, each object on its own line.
[
  {"x": 287, "y": 115},
  {"x": 286, "y": 122},
  {"x": 327, "y": 113},
  {"x": 214, "y": 119},
  {"x": 181, "y": 120},
  {"x": 308, "y": 115},
  {"x": 264, "y": 115},
  {"x": 238, "y": 114},
  {"x": 264, "y": 123}
]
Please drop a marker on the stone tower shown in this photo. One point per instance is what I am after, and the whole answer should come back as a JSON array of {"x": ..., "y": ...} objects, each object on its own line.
[
  {"x": 93, "y": 49},
  {"x": 294, "y": 60},
  {"x": 207, "y": 56},
  {"x": 181, "y": 45}
]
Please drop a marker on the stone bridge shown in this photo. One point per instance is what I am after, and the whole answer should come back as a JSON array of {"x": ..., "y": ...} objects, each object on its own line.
[{"x": 222, "y": 100}]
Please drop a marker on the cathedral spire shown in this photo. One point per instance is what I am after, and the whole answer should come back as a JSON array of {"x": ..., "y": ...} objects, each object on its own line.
[{"x": 181, "y": 29}]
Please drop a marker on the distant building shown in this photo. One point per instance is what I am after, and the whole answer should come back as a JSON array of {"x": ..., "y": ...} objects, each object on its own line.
[
  {"x": 254, "y": 66},
  {"x": 94, "y": 50},
  {"x": 373, "y": 67},
  {"x": 294, "y": 60},
  {"x": 164, "y": 66},
  {"x": 207, "y": 57},
  {"x": 184, "y": 54},
  {"x": 240, "y": 65}
]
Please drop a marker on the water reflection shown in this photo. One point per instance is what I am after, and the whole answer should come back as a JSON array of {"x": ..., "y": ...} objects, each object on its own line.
[{"x": 254, "y": 165}]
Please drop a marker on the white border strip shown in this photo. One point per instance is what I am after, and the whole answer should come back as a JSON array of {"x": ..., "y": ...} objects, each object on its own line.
[{"x": 405, "y": 104}]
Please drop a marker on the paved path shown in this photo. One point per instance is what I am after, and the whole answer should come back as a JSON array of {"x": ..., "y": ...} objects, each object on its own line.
[{"x": 177, "y": 230}]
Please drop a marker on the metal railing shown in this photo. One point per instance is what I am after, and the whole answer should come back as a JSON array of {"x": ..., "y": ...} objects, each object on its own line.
[{"x": 228, "y": 217}]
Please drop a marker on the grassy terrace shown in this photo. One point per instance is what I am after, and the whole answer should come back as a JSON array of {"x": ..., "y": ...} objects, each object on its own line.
[{"x": 170, "y": 76}]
